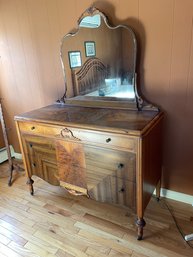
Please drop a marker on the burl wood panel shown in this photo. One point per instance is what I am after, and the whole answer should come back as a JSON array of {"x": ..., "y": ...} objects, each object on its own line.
[{"x": 71, "y": 163}]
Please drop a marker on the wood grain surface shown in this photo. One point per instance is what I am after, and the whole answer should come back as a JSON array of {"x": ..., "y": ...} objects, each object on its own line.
[{"x": 87, "y": 117}]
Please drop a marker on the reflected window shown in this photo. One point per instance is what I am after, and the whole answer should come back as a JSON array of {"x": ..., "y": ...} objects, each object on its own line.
[{"x": 91, "y": 22}]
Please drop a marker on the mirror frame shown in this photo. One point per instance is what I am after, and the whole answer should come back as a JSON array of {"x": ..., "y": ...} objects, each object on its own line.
[{"x": 91, "y": 11}]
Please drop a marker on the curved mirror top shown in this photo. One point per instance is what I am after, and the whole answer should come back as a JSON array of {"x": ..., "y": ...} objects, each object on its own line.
[{"x": 99, "y": 60}]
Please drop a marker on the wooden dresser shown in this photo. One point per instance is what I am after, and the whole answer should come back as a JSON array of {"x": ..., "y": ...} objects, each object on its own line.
[
  {"x": 110, "y": 155},
  {"x": 105, "y": 142}
]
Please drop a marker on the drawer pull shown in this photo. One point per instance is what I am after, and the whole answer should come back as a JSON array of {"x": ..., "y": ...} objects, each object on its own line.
[
  {"x": 120, "y": 165},
  {"x": 34, "y": 165},
  {"x": 31, "y": 145},
  {"x": 108, "y": 140},
  {"x": 67, "y": 133},
  {"x": 122, "y": 190},
  {"x": 32, "y": 128}
]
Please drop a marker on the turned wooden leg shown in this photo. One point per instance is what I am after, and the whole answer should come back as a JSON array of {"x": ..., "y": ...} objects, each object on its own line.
[
  {"x": 11, "y": 168},
  {"x": 158, "y": 187},
  {"x": 140, "y": 222},
  {"x": 30, "y": 184}
]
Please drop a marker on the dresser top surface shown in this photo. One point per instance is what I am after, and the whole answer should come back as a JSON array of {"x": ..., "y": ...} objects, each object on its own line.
[{"x": 92, "y": 117}]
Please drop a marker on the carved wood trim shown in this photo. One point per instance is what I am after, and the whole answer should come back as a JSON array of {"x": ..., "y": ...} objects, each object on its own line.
[{"x": 68, "y": 134}]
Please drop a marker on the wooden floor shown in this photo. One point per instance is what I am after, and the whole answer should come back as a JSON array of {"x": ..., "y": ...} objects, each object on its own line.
[{"x": 52, "y": 223}]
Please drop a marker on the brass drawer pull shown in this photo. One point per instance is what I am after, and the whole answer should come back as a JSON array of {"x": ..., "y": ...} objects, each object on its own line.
[
  {"x": 32, "y": 128},
  {"x": 108, "y": 140}
]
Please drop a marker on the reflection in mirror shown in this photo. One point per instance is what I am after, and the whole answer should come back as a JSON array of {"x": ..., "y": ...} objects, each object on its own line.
[
  {"x": 103, "y": 59},
  {"x": 91, "y": 21}
]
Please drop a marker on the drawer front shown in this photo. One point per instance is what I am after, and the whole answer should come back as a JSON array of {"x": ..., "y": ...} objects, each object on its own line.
[
  {"x": 102, "y": 162},
  {"x": 80, "y": 135},
  {"x": 114, "y": 190},
  {"x": 31, "y": 128}
]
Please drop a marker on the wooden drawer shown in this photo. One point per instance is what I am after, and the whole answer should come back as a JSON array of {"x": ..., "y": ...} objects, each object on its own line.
[
  {"x": 102, "y": 161},
  {"x": 113, "y": 190},
  {"x": 31, "y": 128},
  {"x": 81, "y": 135}
]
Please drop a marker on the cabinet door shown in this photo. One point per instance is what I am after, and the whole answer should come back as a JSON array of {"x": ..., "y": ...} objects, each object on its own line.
[{"x": 40, "y": 156}]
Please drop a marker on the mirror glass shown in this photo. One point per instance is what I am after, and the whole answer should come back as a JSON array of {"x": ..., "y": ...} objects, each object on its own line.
[{"x": 99, "y": 60}]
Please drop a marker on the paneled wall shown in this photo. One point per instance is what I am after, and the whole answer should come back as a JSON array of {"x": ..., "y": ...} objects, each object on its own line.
[{"x": 31, "y": 75}]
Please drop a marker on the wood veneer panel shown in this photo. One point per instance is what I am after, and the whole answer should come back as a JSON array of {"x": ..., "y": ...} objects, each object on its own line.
[{"x": 71, "y": 164}]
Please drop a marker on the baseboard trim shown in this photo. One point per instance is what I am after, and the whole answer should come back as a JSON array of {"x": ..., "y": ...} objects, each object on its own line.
[
  {"x": 18, "y": 156},
  {"x": 3, "y": 153},
  {"x": 177, "y": 196}
]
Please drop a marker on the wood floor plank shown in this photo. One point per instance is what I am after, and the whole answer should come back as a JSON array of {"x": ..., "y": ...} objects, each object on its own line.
[
  {"x": 104, "y": 238},
  {"x": 107, "y": 225},
  {"x": 17, "y": 227},
  {"x": 4, "y": 239},
  {"x": 61, "y": 244},
  {"x": 114, "y": 253},
  {"x": 95, "y": 253},
  {"x": 8, "y": 252},
  {"x": 10, "y": 236},
  {"x": 61, "y": 253},
  {"x": 29, "y": 237},
  {"x": 38, "y": 250},
  {"x": 42, "y": 214},
  {"x": 63, "y": 234},
  {"x": 121, "y": 245},
  {"x": 134, "y": 254},
  {"x": 21, "y": 250}
]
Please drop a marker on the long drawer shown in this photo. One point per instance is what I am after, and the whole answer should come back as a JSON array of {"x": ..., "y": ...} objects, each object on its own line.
[{"x": 109, "y": 140}]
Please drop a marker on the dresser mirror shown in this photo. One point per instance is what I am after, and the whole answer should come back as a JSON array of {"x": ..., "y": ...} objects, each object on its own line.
[{"x": 99, "y": 61}]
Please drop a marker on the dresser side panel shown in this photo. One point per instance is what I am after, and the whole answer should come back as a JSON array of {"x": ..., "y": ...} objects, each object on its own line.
[{"x": 151, "y": 160}]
